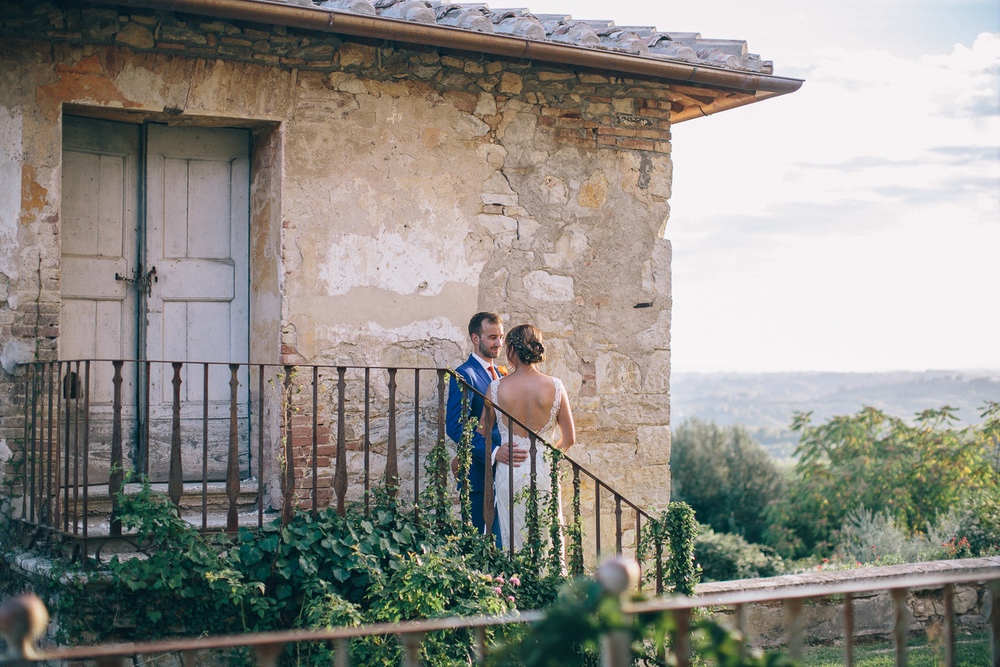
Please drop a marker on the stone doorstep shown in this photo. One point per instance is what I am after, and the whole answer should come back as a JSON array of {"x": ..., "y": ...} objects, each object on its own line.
[{"x": 882, "y": 575}]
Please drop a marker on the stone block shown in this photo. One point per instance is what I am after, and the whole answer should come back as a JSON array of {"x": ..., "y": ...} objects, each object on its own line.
[{"x": 545, "y": 286}]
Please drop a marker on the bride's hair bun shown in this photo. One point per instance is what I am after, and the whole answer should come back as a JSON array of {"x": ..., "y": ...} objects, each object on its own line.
[{"x": 526, "y": 342}]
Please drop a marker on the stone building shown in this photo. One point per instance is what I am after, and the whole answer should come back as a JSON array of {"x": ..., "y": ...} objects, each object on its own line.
[{"x": 351, "y": 182}]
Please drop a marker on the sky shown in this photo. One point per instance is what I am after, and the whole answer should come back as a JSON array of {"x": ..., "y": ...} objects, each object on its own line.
[{"x": 853, "y": 225}]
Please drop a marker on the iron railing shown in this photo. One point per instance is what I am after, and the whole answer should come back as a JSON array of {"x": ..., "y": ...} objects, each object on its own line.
[
  {"x": 220, "y": 437},
  {"x": 26, "y": 620}
]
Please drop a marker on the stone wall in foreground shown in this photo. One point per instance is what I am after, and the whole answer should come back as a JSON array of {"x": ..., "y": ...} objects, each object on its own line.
[{"x": 874, "y": 614}]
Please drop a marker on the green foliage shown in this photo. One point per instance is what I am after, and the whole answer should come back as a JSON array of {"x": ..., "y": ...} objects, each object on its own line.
[
  {"x": 669, "y": 538},
  {"x": 979, "y": 524},
  {"x": 725, "y": 557},
  {"x": 915, "y": 472},
  {"x": 725, "y": 476},
  {"x": 575, "y": 626}
]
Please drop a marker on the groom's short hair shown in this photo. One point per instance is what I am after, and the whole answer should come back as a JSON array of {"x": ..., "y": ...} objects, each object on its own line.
[{"x": 476, "y": 323}]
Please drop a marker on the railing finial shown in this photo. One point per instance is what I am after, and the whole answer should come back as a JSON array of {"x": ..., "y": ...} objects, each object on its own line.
[{"x": 22, "y": 621}]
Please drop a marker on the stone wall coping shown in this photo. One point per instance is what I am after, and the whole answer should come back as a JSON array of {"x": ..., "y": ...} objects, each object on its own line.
[{"x": 883, "y": 576}]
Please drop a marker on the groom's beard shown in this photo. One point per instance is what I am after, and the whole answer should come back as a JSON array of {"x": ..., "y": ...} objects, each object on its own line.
[{"x": 486, "y": 352}]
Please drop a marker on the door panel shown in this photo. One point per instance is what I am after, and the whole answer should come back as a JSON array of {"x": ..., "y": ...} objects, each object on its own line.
[
  {"x": 97, "y": 313},
  {"x": 197, "y": 217}
]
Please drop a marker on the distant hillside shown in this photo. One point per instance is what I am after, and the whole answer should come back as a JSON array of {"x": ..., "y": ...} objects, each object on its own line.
[{"x": 764, "y": 402}]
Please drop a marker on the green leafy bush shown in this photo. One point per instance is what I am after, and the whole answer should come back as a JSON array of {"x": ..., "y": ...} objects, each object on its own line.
[{"x": 725, "y": 557}]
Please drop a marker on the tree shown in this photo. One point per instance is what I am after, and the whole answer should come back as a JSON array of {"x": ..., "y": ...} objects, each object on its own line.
[
  {"x": 916, "y": 472},
  {"x": 725, "y": 476}
]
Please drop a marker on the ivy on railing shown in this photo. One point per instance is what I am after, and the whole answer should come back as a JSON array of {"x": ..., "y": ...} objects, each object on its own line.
[{"x": 670, "y": 537}]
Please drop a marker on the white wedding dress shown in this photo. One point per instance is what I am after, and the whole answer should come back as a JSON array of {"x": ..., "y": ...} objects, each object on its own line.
[{"x": 522, "y": 474}]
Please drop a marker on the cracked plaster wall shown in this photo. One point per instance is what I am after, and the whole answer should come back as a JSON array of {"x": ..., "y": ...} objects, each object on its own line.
[{"x": 408, "y": 190}]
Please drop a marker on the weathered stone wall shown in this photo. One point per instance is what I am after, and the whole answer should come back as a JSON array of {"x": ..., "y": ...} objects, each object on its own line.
[{"x": 405, "y": 188}]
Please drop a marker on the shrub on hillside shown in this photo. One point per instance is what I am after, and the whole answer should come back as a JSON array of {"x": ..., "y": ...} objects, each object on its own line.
[
  {"x": 979, "y": 524},
  {"x": 724, "y": 557},
  {"x": 725, "y": 476}
]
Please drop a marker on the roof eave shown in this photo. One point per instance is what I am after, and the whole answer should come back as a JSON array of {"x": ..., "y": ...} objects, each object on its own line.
[{"x": 756, "y": 86}]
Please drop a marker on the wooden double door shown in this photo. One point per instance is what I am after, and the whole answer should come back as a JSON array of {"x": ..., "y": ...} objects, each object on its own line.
[{"x": 155, "y": 266}]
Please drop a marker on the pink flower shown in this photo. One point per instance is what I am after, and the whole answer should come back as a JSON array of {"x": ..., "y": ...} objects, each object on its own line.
[
  {"x": 515, "y": 581},
  {"x": 499, "y": 579},
  {"x": 510, "y": 597},
  {"x": 498, "y": 590}
]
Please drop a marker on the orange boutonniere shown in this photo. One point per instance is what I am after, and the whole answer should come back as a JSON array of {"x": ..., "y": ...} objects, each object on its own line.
[{"x": 502, "y": 370}]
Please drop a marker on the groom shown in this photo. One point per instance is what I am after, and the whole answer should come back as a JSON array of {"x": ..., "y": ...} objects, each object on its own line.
[{"x": 486, "y": 332}]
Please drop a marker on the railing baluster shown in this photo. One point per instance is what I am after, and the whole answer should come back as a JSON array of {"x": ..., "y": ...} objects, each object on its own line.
[
  {"x": 340, "y": 475},
  {"x": 416, "y": 444},
  {"x": 480, "y": 644},
  {"x": 994, "y": 589},
  {"x": 69, "y": 454},
  {"x": 76, "y": 448},
  {"x": 441, "y": 474},
  {"x": 62, "y": 489},
  {"x": 260, "y": 446},
  {"x": 597, "y": 518},
  {"x": 288, "y": 478},
  {"x": 175, "y": 483},
  {"x": 233, "y": 465},
  {"x": 618, "y": 524},
  {"x": 511, "y": 503},
  {"x": 267, "y": 654},
  {"x": 116, "y": 478},
  {"x": 86, "y": 453},
  {"x": 577, "y": 566},
  {"x": 793, "y": 614},
  {"x": 368, "y": 438},
  {"x": 315, "y": 441},
  {"x": 391, "y": 466},
  {"x": 28, "y": 450},
  {"x": 899, "y": 624},
  {"x": 658, "y": 546},
  {"x": 638, "y": 534},
  {"x": 144, "y": 449},
  {"x": 741, "y": 626},
  {"x": 411, "y": 648},
  {"x": 848, "y": 630},
  {"x": 682, "y": 640},
  {"x": 533, "y": 495},
  {"x": 342, "y": 656},
  {"x": 204, "y": 448},
  {"x": 949, "y": 625},
  {"x": 49, "y": 465}
]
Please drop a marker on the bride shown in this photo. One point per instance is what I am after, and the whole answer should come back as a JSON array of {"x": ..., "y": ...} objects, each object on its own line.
[{"x": 539, "y": 402}]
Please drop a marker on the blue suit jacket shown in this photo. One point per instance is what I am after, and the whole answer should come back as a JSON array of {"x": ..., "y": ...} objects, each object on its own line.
[{"x": 476, "y": 375}]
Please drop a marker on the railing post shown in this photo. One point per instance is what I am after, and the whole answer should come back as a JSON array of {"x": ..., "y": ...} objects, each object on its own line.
[
  {"x": 175, "y": 483},
  {"x": 848, "y": 630},
  {"x": 949, "y": 625},
  {"x": 260, "y": 446},
  {"x": 441, "y": 474},
  {"x": 288, "y": 478},
  {"x": 117, "y": 477},
  {"x": 411, "y": 648},
  {"x": 618, "y": 525},
  {"x": 416, "y": 444},
  {"x": 340, "y": 475},
  {"x": 233, "y": 465},
  {"x": 597, "y": 518},
  {"x": 315, "y": 440},
  {"x": 50, "y": 480},
  {"x": 793, "y": 616},
  {"x": 204, "y": 447},
  {"x": 391, "y": 464},
  {"x": 900, "y": 621},
  {"x": 994, "y": 589},
  {"x": 368, "y": 438},
  {"x": 533, "y": 532}
]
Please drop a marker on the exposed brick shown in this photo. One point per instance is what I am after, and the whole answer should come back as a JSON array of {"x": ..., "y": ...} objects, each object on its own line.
[{"x": 638, "y": 144}]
